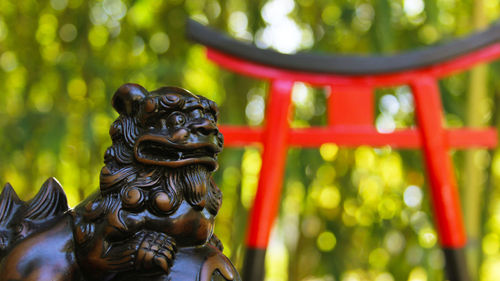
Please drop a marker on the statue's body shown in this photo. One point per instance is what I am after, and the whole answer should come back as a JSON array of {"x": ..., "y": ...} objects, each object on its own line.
[{"x": 153, "y": 216}]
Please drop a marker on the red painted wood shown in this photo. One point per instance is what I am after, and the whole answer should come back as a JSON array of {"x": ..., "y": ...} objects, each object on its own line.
[
  {"x": 444, "y": 193},
  {"x": 275, "y": 146},
  {"x": 238, "y": 136},
  {"x": 472, "y": 138},
  {"x": 351, "y": 105},
  {"x": 384, "y": 80}
]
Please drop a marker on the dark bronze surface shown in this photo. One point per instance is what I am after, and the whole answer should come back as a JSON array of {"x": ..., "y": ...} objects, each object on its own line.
[{"x": 153, "y": 216}]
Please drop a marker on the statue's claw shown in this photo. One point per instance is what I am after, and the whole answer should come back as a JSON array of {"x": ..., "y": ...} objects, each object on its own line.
[
  {"x": 155, "y": 250},
  {"x": 120, "y": 256}
]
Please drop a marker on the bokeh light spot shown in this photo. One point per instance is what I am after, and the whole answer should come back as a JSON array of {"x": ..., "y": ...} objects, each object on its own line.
[
  {"x": 51, "y": 52},
  {"x": 413, "y": 7},
  {"x": 370, "y": 189},
  {"x": 40, "y": 98},
  {"x": 254, "y": 110},
  {"x": 326, "y": 241},
  {"x": 299, "y": 93},
  {"x": 385, "y": 123},
  {"x": 98, "y": 36},
  {"x": 379, "y": 258},
  {"x": 47, "y": 29},
  {"x": 238, "y": 23},
  {"x": 413, "y": 196},
  {"x": 328, "y": 151},
  {"x": 138, "y": 46},
  {"x": 490, "y": 269},
  {"x": 8, "y": 61},
  {"x": 326, "y": 174},
  {"x": 329, "y": 197},
  {"x": 491, "y": 244},
  {"x": 394, "y": 242},
  {"x": 159, "y": 42},
  {"x": 364, "y": 216},
  {"x": 59, "y": 5},
  {"x": 97, "y": 14},
  {"x": 68, "y": 32},
  {"x": 140, "y": 15},
  {"x": 77, "y": 89},
  {"x": 384, "y": 276},
  {"x": 427, "y": 237},
  {"x": 116, "y": 9},
  {"x": 388, "y": 208},
  {"x": 428, "y": 34},
  {"x": 418, "y": 274},
  {"x": 364, "y": 157},
  {"x": 389, "y": 104},
  {"x": 331, "y": 14}
]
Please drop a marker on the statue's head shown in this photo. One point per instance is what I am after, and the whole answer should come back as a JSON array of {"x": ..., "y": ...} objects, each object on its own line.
[
  {"x": 164, "y": 149},
  {"x": 167, "y": 127}
]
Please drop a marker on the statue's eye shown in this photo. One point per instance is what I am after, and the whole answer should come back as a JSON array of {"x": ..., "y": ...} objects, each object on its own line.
[
  {"x": 157, "y": 124},
  {"x": 177, "y": 119},
  {"x": 210, "y": 117},
  {"x": 196, "y": 114},
  {"x": 152, "y": 125}
]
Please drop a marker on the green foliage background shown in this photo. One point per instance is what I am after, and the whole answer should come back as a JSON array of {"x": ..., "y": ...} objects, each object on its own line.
[{"x": 346, "y": 214}]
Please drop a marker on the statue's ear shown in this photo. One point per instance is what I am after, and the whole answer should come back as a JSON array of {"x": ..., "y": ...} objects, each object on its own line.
[{"x": 127, "y": 98}]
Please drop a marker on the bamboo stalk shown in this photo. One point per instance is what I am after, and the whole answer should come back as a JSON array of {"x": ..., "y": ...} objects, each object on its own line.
[{"x": 474, "y": 174}]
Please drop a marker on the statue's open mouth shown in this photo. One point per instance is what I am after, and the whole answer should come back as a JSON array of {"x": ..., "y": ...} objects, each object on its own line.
[{"x": 159, "y": 151}]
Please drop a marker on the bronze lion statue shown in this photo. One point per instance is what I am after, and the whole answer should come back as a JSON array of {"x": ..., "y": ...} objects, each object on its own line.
[{"x": 153, "y": 216}]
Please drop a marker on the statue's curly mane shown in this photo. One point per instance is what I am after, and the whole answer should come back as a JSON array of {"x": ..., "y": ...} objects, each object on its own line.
[
  {"x": 123, "y": 132},
  {"x": 123, "y": 174},
  {"x": 143, "y": 182}
]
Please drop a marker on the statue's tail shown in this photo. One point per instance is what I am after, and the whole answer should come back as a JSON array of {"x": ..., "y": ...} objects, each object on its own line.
[{"x": 18, "y": 219}]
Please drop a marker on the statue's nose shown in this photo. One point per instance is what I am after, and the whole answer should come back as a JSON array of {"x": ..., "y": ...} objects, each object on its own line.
[{"x": 205, "y": 127}]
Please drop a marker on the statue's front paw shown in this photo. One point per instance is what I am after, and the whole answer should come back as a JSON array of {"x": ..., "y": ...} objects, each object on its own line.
[{"x": 156, "y": 250}]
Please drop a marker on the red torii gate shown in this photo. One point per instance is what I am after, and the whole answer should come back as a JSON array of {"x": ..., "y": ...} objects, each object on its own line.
[{"x": 351, "y": 81}]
